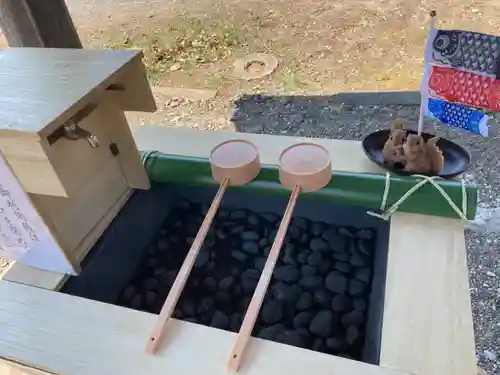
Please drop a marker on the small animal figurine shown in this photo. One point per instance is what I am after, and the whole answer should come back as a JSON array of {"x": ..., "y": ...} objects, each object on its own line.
[
  {"x": 393, "y": 152},
  {"x": 435, "y": 155},
  {"x": 415, "y": 151}
]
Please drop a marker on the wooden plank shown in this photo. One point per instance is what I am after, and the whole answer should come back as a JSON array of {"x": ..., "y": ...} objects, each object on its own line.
[
  {"x": 74, "y": 217},
  {"x": 346, "y": 156},
  {"x": 51, "y": 331},
  {"x": 118, "y": 131},
  {"x": 66, "y": 81},
  {"x": 427, "y": 322},
  {"x": 35, "y": 23}
]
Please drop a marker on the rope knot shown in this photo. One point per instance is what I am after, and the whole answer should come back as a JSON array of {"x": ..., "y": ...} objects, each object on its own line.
[{"x": 386, "y": 214}]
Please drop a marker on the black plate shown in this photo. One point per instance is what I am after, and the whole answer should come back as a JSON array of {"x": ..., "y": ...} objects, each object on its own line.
[{"x": 456, "y": 159}]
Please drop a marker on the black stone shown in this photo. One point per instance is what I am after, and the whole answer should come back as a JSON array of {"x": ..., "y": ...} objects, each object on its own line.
[
  {"x": 294, "y": 232},
  {"x": 318, "y": 244},
  {"x": 289, "y": 337},
  {"x": 239, "y": 255},
  {"x": 342, "y": 267},
  {"x": 188, "y": 308},
  {"x": 302, "y": 257},
  {"x": 249, "y": 284},
  {"x": 357, "y": 260},
  {"x": 210, "y": 284},
  {"x": 322, "y": 324},
  {"x": 210, "y": 266},
  {"x": 365, "y": 247},
  {"x": 235, "y": 323},
  {"x": 340, "y": 303},
  {"x": 249, "y": 236},
  {"x": 238, "y": 215},
  {"x": 136, "y": 302},
  {"x": 220, "y": 320},
  {"x": 319, "y": 345},
  {"x": 363, "y": 274},
  {"x": 356, "y": 287},
  {"x": 160, "y": 271},
  {"x": 286, "y": 293},
  {"x": 302, "y": 319},
  {"x": 324, "y": 267},
  {"x": 162, "y": 244},
  {"x": 272, "y": 312},
  {"x": 287, "y": 273},
  {"x": 310, "y": 281},
  {"x": 250, "y": 274},
  {"x": 202, "y": 258},
  {"x": 336, "y": 344},
  {"x": 269, "y": 333},
  {"x": 250, "y": 247},
  {"x": 129, "y": 293},
  {"x": 315, "y": 259},
  {"x": 300, "y": 222},
  {"x": 322, "y": 298},
  {"x": 317, "y": 229},
  {"x": 336, "y": 282},
  {"x": 359, "y": 304},
  {"x": 365, "y": 233},
  {"x": 263, "y": 242},
  {"x": 150, "y": 298},
  {"x": 304, "y": 302},
  {"x": 260, "y": 263},
  {"x": 272, "y": 218},
  {"x": 237, "y": 229},
  {"x": 341, "y": 257},
  {"x": 307, "y": 270},
  {"x": 351, "y": 335},
  {"x": 288, "y": 254},
  {"x": 220, "y": 234},
  {"x": 225, "y": 283},
  {"x": 151, "y": 283},
  {"x": 243, "y": 304},
  {"x": 354, "y": 318},
  {"x": 304, "y": 238},
  {"x": 205, "y": 305},
  {"x": 344, "y": 231},
  {"x": 253, "y": 219},
  {"x": 223, "y": 297},
  {"x": 151, "y": 250},
  {"x": 151, "y": 262}
]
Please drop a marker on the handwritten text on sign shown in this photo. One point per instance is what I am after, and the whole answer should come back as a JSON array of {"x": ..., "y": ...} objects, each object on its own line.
[{"x": 24, "y": 237}]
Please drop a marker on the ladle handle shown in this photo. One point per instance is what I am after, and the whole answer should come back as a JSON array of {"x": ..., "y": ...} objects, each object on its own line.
[
  {"x": 260, "y": 291},
  {"x": 182, "y": 276}
]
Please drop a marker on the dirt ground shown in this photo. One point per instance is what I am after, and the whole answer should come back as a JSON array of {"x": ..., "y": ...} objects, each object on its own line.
[{"x": 322, "y": 46}]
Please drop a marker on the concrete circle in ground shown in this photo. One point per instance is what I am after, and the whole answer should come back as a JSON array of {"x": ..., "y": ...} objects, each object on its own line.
[{"x": 266, "y": 65}]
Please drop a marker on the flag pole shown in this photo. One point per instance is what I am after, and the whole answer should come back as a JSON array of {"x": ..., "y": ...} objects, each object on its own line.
[{"x": 423, "y": 97}]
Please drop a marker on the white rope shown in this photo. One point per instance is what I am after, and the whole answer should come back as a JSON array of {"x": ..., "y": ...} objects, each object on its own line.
[{"x": 385, "y": 215}]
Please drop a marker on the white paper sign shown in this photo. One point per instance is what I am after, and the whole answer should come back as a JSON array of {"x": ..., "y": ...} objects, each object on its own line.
[{"x": 24, "y": 237}]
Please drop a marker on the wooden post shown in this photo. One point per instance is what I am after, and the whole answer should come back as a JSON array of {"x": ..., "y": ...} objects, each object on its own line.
[{"x": 35, "y": 23}]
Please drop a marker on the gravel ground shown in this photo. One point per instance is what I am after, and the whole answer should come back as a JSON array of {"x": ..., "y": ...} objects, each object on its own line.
[{"x": 320, "y": 117}]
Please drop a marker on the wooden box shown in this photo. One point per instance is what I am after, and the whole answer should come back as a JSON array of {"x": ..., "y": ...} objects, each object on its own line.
[{"x": 64, "y": 133}]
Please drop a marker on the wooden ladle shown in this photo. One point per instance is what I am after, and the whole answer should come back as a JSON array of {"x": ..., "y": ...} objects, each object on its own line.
[
  {"x": 234, "y": 162},
  {"x": 303, "y": 167}
]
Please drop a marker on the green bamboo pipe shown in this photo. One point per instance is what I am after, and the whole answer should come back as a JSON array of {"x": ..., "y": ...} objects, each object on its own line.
[{"x": 356, "y": 189}]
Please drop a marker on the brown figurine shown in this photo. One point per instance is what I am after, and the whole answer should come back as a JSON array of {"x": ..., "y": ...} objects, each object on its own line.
[
  {"x": 435, "y": 155},
  {"x": 415, "y": 151},
  {"x": 393, "y": 151}
]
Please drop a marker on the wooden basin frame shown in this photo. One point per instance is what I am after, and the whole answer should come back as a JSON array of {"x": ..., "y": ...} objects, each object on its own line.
[{"x": 427, "y": 320}]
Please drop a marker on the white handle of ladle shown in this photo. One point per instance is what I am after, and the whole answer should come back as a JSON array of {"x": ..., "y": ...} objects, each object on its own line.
[
  {"x": 260, "y": 291},
  {"x": 182, "y": 276}
]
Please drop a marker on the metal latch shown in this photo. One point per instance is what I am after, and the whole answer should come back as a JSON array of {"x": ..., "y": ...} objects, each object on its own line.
[{"x": 72, "y": 131}]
